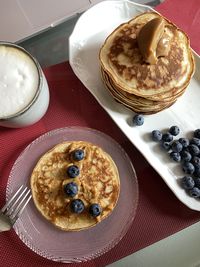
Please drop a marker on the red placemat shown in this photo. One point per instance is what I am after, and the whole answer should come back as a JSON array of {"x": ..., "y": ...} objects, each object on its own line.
[{"x": 159, "y": 213}]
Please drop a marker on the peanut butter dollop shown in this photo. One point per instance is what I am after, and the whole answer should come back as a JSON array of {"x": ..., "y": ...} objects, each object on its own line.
[
  {"x": 152, "y": 40},
  {"x": 163, "y": 46}
]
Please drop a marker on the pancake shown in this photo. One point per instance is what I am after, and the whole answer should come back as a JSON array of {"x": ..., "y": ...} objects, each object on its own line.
[
  {"x": 160, "y": 98},
  {"x": 98, "y": 183},
  {"x": 135, "y": 103},
  {"x": 141, "y": 84}
]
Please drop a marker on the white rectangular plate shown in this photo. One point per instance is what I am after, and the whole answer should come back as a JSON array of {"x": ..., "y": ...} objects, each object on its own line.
[{"x": 88, "y": 36}]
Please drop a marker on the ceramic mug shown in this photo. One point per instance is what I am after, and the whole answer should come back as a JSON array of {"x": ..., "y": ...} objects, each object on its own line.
[{"x": 24, "y": 92}]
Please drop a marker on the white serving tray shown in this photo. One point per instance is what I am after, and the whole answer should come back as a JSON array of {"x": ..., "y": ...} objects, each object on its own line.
[{"x": 84, "y": 44}]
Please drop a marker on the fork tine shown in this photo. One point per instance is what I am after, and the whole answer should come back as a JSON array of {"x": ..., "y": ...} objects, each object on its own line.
[
  {"x": 13, "y": 205},
  {"x": 11, "y": 200},
  {"x": 18, "y": 204},
  {"x": 21, "y": 207}
]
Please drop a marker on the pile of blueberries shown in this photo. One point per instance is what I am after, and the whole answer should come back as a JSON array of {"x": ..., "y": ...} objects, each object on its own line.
[
  {"x": 187, "y": 152},
  {"x": 71, "y": 188}
]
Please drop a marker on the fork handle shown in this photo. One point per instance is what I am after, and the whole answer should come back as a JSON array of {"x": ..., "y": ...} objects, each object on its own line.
[
  {"x": 4, "y": 229},
  {"x": 4, "y": 224}
]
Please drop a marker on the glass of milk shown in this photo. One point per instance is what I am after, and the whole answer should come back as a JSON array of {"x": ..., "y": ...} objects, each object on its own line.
[{"x": 24, "y": 92}]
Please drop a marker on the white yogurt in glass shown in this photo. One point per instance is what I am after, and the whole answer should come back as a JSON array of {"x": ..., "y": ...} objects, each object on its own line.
[{"x": 24, "y": 94}]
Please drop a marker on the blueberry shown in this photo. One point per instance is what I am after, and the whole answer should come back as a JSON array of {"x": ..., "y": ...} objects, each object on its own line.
[
  {"x": 184, "y": 141},
  {"x": 194, "y": 150},
  {"x": 138, "y": 120},
  {"x": 188, "y": 167},
  {"x": 195, "y": 160},
  {"x": 71, "y": 189},
  {"x": 175, "y": 156},
  {"x": 196, "y": 170},
  {"x": 196, "y": 164},
  {"x": 185, "y": 155},
  {"x": 167, "y": 137},
  {"x": 197, "y": 182},
  {"x": 174, "y": 130},
  {"x": 195, "y": 141},
  {"x": 194, "y": 192},
  {"x": 95, "y": 210},
  {"x": 78, "y": 154},
  {"x": 187, "y": 182},
  {"x": 176, "y": 146},
  {"x": 166, "y": 146},
  {"x": 156, "y": 135},
  {"x": 197, "y": 133},
  {"x": 77, "y": 206},
  {"x": 73, "y": 171}
]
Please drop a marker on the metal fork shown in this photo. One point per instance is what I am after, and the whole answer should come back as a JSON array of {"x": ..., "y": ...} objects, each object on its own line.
[{"x": 14, "y": 208}]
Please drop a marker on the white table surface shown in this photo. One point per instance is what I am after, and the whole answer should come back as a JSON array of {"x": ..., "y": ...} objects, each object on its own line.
[{"x": 179, "y": 250}]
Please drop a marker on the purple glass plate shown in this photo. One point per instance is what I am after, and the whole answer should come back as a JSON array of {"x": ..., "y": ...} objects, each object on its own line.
[{"x": 54, "y": 244}]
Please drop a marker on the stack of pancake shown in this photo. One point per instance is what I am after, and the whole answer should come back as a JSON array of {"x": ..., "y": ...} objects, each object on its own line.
[
  {"x": 147, "y": 63},
  {"x": 98, "y": 182}
]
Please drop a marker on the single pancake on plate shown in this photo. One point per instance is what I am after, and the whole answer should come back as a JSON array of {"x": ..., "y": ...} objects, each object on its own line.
[
  {"x": 147, "y": 63},
  {"x": 75, "y": 185}
]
